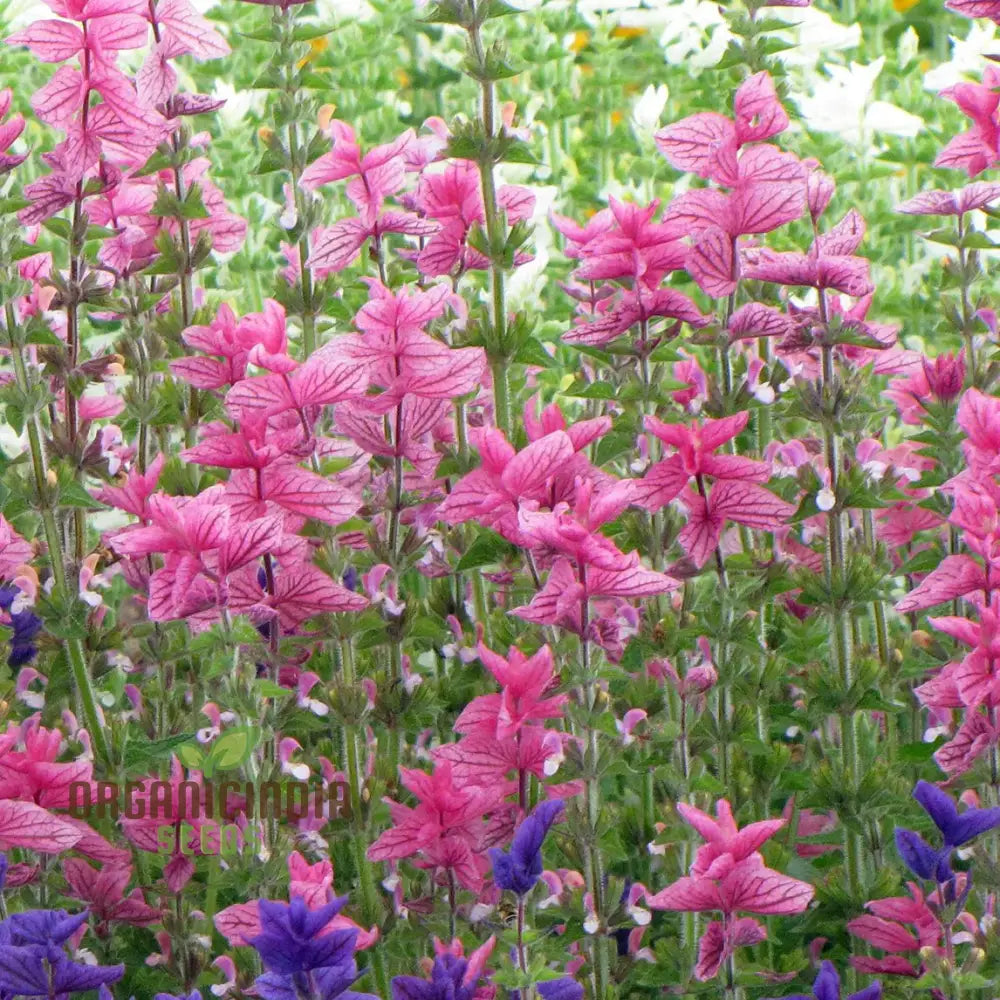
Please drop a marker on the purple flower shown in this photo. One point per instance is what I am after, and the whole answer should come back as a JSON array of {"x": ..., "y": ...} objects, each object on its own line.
[
  {"x": 827, "y": 987},
  {"x": 565, "y": 988},
  {"x": 33, "y": 963},
  {"x": 956, "y": 829},
  {"x": 302, "y": 962},
  {"x": 447, "y": 982},
  {"x": 519, "y": 870},
  {"x": 193, "y": 995},
  {"x": 25, "y": 627}
]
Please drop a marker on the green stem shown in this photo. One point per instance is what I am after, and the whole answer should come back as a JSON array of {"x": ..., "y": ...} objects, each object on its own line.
[
  {"x": 840, "y": 622},
  {"x": 74, "y": 646},
  {"x": 495, "y": 224}
]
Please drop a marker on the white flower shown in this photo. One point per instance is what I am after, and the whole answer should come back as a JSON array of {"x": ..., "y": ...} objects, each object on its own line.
[
  {"x": 908, "y": 47},
  {"x": 696, "y": 35},
  {"x": 647, "y": 110},
  {"x": 843, "y": 105},
  {"x": 239, "y": 103},
  {"x": 967, "y": 57},
  {"x": 825, "y": 499},
  {"x": 629, "y": 13},
  {"x": 344, "y": 10},
  {"x": 815, "y": 35}
]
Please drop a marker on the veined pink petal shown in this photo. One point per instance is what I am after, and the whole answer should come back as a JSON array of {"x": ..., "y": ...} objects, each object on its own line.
[
  {"x": 336, "y": 246},
  {"x": 884, "y": 934},
  {"x": 23, "y": 824},
  {"x": 528, "y": 471},
  {"x": 758, "y": 320},
  {"x": 306, "y": 493},
  {"x": 306, "y": 591},
  {"x": 845, "y": 237},
  {"x": 238, "y": 923},
  {"x": 749, "y": 504},
  {"x": 61, "y": 97},
  {"x": 194, "y": 32},
  {"x": 117, "y": 32},
  {"x": 51, "y": 41},
  {"x": 752, "y": 836},
  {"x": 967, "y": 151},
  {"x": 632, "y": 580},
  {"x": 708, "y": 828},
  {"x": 958, "y": 628},
  {"x": 688, "y": 144},
  {"x": 250, "y": 542},
  {"x": 973, "y": 738},
  {"x": 662, "y": 483},
  {"x": 766, "y": 163},
  {"x": 713, "y": 950},
  {"x": 976, "y": 8},
  {"x": 759, "y": 114},
  {"x": 955, "y": 577},
  {"x": 753, "y": 888},
  {"x": 762, "y": 207},
  {"x": 711, "y": 261},
  {"x": 687, "y": 895}
]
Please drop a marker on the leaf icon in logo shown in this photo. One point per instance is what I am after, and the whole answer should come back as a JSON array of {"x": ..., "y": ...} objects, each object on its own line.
[
  {"x": 230, "y": 750},
  {"x": 191, "y": 756}
]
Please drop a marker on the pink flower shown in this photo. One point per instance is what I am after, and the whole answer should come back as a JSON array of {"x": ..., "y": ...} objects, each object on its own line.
[
  {"x": 9, "y": 131},
  {"x": 885, "y": 929},
  {"x": 446, "y": 827},
  {"x": 728, "y": 875}
]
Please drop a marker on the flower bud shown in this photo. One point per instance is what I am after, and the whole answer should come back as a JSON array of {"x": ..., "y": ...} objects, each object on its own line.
[{"x": 945, "y": 376}]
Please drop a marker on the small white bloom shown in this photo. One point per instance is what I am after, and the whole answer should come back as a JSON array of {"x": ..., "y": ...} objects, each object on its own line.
[
  {"x": 908, "y": 47},
  {"x": 764, "y": 393},
  {"x": 967, "y": 57},
  {"x": 648, "y": 109},
  {"x": 825, "y": 499},
  {"x": 815, "y": 35}
]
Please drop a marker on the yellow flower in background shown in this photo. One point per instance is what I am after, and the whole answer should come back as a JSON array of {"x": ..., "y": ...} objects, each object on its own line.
[
  {"x": 902, "y": 6},
  {"x": 616, "y": 117},
  {"x": 265, "y": 134},
  {"x": 325, "y": 115},
  {"x": 316, "y": 46},
  {"x": 580, "y": 40},
  {"x": 402, "y": 77},
  {"x": 628, "y": 31}
]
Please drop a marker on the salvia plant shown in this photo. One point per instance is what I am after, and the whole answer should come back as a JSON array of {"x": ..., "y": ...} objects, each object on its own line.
[{"x": 499, "y": 500}]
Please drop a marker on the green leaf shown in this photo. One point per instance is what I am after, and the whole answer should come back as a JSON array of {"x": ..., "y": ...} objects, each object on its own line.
[
  {"x": 919, "y": 753},
  {"x": 72, "y": 494},
  {"x": 488, "y": 549},
  {"x": 593, "y": 390},
  {"x": 139, "y": 756},
  {"x": 268, "y": 689}
]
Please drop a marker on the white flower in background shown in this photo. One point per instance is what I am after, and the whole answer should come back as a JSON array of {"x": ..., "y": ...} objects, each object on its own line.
[
  {"x": 647, "y": 110},
  {"x": 20, "y": 13},
  {"x": 652, "y": 14},
  {"x": 695, "y": 36},
  {"x": 344, "y": 10},
  {"x": 843, "y": 105},
  {"x": 968, "y": 57},
  {"x": 909, "y": 46},
  {"x": 239, "y": 103},
  {"x": 815, "y": 35},
  {"x": 525, "y": 285}
]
